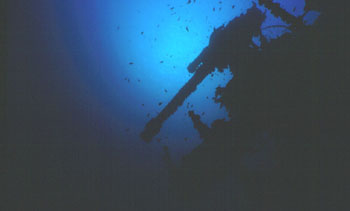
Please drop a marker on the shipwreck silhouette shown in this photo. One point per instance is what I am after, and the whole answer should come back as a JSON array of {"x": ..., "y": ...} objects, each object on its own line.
[{"x": 293, "y": 88}]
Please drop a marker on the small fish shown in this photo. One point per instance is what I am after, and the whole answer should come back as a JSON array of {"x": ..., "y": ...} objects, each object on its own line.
[
  {"x": 187, "y": 29},
  {"x": 118, "y": 27},
  {"x": 203, "y": 113},
  {"x": 220, "y": 9},
  {"x": 138, "y": 80},
  {"x": 178, "y": 19},
  {"x": 165, "y": 90},
  {"x": 172, "y": 8},
  {"x": 294, "y": 9},
  {"x": 233, "y": 6},
  {"x": 207, "y": 97},
  {"x": 148, "y": 115},
  {"x": 160, "y": 103},
  {"x": 131, "y": 63},
  {"x": 161, "y": 62},
  {"x": 143, "y": 104},
  {"x": 220, "y": 2},
  {"x": 142, "y": 33},
  {"x": 128, "y": 80},
  {"x": 214, "y": 9},
  {"x": 189, "y": 2}
]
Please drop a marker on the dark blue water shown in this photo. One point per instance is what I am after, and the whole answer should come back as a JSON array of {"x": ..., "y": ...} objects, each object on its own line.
[
  {"x": 139, "y": 51},
  {"x": 96, "y": 72}
]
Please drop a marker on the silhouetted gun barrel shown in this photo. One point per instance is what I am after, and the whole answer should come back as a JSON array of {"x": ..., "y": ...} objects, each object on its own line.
[
  {"x": 152, "y": 128},
  {"x": 224, "y": 43},
  {"x": 198, "y": 62}
]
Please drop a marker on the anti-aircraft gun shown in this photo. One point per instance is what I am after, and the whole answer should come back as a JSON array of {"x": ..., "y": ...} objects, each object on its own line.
[{"x": 225, "y": 44}]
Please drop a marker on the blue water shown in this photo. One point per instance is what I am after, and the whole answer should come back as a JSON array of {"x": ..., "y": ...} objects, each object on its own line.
[
  {"x": 81, "y": 77},
  {"x": 138, "y": 51}
]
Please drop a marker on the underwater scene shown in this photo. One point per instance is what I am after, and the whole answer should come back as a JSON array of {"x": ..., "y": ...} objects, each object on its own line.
[{"x": 174, "y": 104}]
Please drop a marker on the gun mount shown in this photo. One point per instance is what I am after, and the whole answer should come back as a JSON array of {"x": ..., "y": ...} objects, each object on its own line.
[{"x": 226, "y": 43}]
